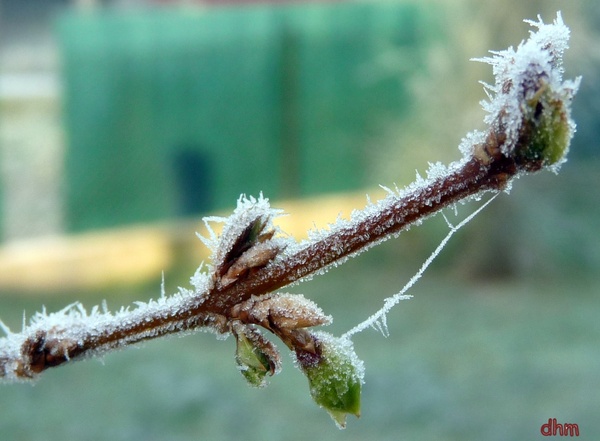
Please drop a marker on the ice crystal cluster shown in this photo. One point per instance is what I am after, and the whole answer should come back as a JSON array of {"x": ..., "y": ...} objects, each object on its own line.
[
  {"x": 529, "y": 89},
  {"x": 247, "y": 241},
  {"x": 238, "y": 291}
]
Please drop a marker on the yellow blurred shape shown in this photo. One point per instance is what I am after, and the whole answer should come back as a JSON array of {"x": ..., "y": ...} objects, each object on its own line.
[
  {"x": 137, "y": 254},
  {"x": 90, "y": 260}
]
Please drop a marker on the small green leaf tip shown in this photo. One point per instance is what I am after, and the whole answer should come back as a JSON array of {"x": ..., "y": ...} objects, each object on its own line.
[
  {"x": 255, "y": 356},
  {"x": 335, "y": 376},
  {"x": 254, "y": 364}
]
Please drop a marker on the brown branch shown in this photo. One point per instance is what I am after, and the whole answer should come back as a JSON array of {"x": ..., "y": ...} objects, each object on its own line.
[
  {"x": 473, "y": 178},
  {"x": 483, "y": 172},
  {"x": 531, "y": 130}
]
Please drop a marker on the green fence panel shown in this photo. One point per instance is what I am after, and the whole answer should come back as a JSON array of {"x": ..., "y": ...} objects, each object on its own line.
[
  {"x": 342, "y": 90},
  {"x": 174, "y": 112}
]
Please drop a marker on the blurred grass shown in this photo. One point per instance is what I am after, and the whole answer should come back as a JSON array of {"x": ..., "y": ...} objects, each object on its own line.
[{"x": 464, "y": 361}]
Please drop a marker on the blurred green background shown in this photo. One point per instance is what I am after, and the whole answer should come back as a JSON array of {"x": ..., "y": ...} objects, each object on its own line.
[{"x": 126, "y": 114}]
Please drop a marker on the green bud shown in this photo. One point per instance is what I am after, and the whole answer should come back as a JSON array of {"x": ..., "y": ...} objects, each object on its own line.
[
  {"x": 550, "y": 126},
  {"x": 255, "y": 356},
  {"x": 335, "y": 376}
]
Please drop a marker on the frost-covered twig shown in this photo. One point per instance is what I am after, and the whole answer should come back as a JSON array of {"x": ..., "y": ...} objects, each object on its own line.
[{"x": 529, "y": 129}]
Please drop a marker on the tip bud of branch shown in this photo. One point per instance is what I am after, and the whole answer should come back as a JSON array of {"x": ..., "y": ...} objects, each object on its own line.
[{"x": 530, "y": 104}]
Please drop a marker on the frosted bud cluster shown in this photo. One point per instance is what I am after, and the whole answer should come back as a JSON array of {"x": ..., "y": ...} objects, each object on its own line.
[{"x": 529, "y": 98}]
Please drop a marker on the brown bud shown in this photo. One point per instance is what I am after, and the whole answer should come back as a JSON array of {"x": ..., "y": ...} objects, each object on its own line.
[{"x": 277, "y": 312}]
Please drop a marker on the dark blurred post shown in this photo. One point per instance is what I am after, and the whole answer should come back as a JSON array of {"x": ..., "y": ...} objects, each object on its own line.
[{"x": 194, "y": 176}]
